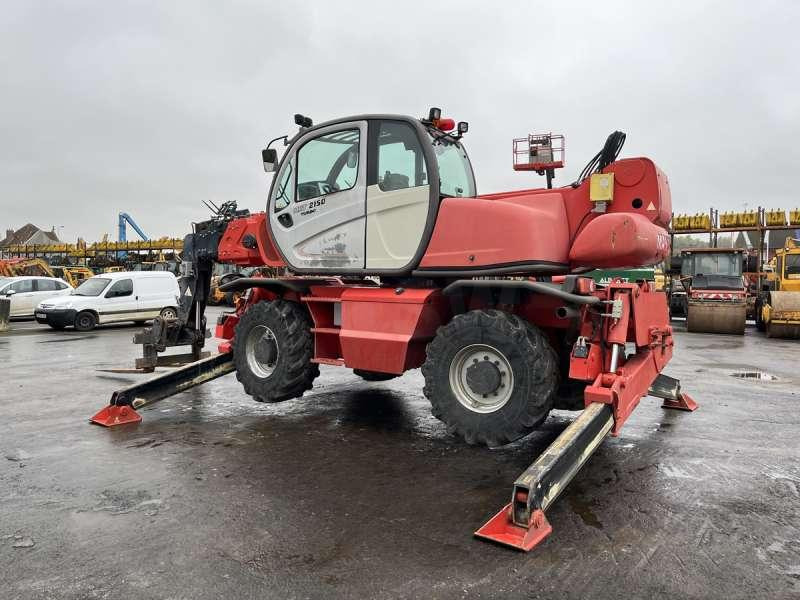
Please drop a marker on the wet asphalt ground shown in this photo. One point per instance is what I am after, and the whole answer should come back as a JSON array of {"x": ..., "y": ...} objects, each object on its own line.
[{"x": 355, "y": 491}]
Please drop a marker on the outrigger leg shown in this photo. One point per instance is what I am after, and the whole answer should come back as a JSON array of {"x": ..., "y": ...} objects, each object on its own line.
[
  {"x": 522, "y": 523},
  {"x": 125, "y": 401}
]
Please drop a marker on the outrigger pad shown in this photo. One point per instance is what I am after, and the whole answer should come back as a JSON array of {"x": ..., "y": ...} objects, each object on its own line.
[
  {"x": 502, "y": 530},
  {"x": 113, "y": 415},
  {"x": 684, "y": 402}
]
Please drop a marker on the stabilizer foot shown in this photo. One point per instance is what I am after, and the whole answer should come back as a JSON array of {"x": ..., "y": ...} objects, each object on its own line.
[
  {"x": 683, "y": 402},
  {"x": 111, "y": 416},
  {"x": 502, "y": 530}
]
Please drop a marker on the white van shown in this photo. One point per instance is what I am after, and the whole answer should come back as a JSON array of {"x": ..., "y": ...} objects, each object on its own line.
[{"x": 111, "y": 298}]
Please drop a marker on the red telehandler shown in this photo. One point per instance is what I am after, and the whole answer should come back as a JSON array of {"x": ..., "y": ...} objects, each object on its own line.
[{"x": 396, "y": 263}]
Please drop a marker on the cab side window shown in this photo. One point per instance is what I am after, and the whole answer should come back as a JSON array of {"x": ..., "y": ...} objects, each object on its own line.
[
  {"x": 46, "y": 285},
  {"x": 21, "y": 287},
  {"x": 123, "y": 287},
  {"x": 284, "y": 193},
  {"x": 327, "y": 164},
  {"x": 401, "y": 163}
]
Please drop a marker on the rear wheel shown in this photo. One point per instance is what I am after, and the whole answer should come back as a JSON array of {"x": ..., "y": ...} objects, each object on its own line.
[
  {"x": 490, "y": 377},
  {"x": 169, "y": 313},
  {"x": 85, "y": 321},
  {"x": 760, "y": 325},
  {"x": 272, "y": 350}
]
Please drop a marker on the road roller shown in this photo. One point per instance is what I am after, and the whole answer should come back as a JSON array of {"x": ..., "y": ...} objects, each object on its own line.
[
  {"x": 715, "y": 289},
  {"x": 778, "y": 303}
]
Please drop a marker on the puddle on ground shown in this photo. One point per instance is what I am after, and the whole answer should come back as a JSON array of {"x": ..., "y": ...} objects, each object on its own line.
[
  {"x": 583, "y": 508},
  {"x": 755, "y": 375}
]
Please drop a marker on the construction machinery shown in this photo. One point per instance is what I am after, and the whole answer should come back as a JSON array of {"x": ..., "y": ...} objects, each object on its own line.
[
  {"x": 12, "y": 267},
  {"x": 396, "y": 263},
  {"x": 222, "y": 274},
  {"x": 73, "y": 275},
  {"x": 716, "y": 294},
  {"x": 778, "y": 303}
]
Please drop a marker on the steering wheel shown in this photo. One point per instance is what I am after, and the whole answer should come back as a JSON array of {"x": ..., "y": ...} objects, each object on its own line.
[{"x": 327, "y": 188}]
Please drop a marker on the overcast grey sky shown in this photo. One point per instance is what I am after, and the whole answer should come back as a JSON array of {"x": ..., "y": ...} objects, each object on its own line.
[{"x": 151, "y": 107}]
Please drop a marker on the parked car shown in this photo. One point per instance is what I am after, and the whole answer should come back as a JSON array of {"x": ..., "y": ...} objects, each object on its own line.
[
  {"x": 25, "y": 292},
  {"x": 113, "y": 298}
]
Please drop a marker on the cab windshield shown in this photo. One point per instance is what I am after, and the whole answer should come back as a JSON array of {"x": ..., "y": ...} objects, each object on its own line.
[
  {"x": 701, "y": 263},
  {"x": 92, "y": 287},
  {"x": 455, "y": 172}
]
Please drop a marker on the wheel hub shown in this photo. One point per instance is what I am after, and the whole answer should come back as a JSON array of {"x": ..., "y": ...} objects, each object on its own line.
[
  {"x": 266, "y": 350},
  {"x": 262, "y": 351},
  {"x": 481, "y": 378}
]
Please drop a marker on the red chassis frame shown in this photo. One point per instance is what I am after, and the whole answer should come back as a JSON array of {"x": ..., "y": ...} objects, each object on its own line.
[{"x": 387, "y": 330}]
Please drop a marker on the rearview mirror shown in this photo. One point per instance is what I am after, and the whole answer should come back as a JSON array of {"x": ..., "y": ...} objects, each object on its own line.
[
  {"x": 11, "y": 292},
  {"x": 270, "y": 158},
  {"x": 352, "y": 159}
]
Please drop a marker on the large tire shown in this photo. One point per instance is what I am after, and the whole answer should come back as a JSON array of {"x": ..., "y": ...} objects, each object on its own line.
[
  {"x": 374, "y": 375},
  {"x": 760, "y": 324},
  {"x": 520, "y": 377},
  {"x": 85, "y": 321},
  {"x": 169, "y": 313},
  {"x": 272, "y": 350}
]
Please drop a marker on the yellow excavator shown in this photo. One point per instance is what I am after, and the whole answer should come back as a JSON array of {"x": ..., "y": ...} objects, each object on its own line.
[
  {"x": 74, "y": 275},
  {"x": 778, "y": 303}
]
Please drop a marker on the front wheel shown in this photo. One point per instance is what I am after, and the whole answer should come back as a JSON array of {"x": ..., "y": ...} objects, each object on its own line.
[
  {"x": 85, "y": 321},
  {"x": 490, "y": 377},
  {"x": 169, "y": 313},
  {"x": 272, "y": 351}
]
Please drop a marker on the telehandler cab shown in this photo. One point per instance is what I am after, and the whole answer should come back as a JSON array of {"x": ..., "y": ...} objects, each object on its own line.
[{"x": 397, "y": 263}]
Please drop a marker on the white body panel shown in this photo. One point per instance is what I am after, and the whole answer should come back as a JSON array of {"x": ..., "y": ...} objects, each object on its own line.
[
  {"x": 23, "y": 303},
  {"x": 326, "y": 230},
  {"x": 395, "y": 224}
]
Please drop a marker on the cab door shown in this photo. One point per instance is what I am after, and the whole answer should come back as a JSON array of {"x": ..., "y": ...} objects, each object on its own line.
[
  {"x": 317, "y": 207},
  {"x": 23, "y": 300},
  {"x": 398, "y": 196},
  {"x": 119, "y": 303}
]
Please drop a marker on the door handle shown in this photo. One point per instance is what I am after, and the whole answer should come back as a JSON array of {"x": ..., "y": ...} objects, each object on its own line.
[{"x": 285, "y": 219}]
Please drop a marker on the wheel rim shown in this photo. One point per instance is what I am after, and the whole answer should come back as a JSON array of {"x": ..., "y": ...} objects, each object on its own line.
[
  {"x": 481, "y": 378},
  {"x": 262, "y": 351},
  {"x": 84, "y": 321},
  {"x": 169, "y": 313}
]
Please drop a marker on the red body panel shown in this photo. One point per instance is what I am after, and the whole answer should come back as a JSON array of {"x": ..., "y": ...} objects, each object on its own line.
[
  {"x": 481, "y": 232},
  {"x": 619, "y": 239},
  {"x": 542, "y": 226},
  {"x": 388, "y": 332},
  {"x": 231, "y": 250}
]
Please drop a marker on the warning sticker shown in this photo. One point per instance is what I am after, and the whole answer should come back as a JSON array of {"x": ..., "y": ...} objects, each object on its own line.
[{"x": 651, "y": 206}]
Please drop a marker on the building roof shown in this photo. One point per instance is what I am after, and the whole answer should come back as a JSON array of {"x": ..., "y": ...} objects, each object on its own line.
[{"x": 25, "y": 233}]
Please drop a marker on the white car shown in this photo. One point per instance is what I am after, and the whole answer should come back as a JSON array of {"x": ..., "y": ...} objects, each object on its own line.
[
  {"x": 111, "y": 298},
  {"x": 25, "y": 292}
]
